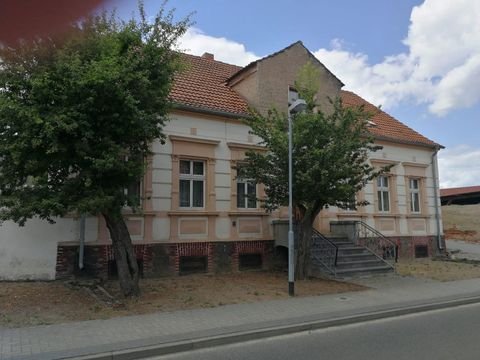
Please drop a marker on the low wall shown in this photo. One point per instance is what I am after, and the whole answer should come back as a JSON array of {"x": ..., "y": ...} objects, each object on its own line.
[{"x": 29, "y": 252}]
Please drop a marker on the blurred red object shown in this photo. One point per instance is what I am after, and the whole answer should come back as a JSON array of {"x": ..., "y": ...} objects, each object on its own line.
[{"x": 26, "y": 19}]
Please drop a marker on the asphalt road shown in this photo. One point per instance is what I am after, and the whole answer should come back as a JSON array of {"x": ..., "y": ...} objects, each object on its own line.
[{"x": 450, "y": 334}]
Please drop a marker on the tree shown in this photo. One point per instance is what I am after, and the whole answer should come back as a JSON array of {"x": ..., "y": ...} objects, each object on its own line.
[
  {"x": 330, "y": 152},
  {"x": 77, "y": 116}
]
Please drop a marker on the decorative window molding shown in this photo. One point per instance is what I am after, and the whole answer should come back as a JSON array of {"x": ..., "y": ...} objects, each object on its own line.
[{"x": 190, "y": 139}]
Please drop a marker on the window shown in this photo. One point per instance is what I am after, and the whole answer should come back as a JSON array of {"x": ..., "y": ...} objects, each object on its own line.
[
  {"x": 246, "y": 192},
  {"x": 292, "y": 95},
  {"x": 134, "y": 193},
  {"x": 414, "y": 185},
  {"x": 383, "y": 194},
  {"x": 351, "y": 205},
  {"x": 192, "y": 183}
]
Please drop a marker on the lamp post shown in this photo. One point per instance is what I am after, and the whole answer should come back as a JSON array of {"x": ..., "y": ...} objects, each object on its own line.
[{"x": 296, "y": 107}]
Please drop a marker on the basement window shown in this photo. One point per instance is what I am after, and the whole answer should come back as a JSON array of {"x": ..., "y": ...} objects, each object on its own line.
[
  {"x": 421, "y": 251},
  {"x": 250, "y": 262},
  {"x": 193, "y": 264}
]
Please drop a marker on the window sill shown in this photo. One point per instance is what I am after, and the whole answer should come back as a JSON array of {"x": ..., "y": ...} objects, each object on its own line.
[
  {"x": 351, "y": 214},
  {"x": 193, "y": 213},
  {"x": 387, "y": 215},
  {"x": 251, "y": 212},
  {"x": 418, "y": 216}
]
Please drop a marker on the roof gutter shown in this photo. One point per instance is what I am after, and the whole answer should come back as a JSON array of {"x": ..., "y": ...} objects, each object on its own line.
[
  {"x": 434, "y": 146},
  {"x": 437, "y": 196},
  {"x": 196, "y": 109}
]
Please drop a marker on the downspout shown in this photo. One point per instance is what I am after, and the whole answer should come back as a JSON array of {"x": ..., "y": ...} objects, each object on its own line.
[
  {"x": 82, "y": 241},
  {"x": 435, "y": 190}
]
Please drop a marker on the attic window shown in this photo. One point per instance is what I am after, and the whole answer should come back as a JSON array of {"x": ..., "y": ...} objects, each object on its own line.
[
  {"x": 370, "y": 123},
  {"x": 292, "y": 95}
]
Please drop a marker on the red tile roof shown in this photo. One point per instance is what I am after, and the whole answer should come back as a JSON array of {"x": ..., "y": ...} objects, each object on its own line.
[
  {"x": 203, "y": 86},
  {"x": 459, "y": 190},
  {"x": 386, "y": 126}
]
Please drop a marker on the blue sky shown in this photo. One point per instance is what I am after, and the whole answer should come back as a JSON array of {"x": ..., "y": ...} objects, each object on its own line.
[{"x": 419, "y": 59}]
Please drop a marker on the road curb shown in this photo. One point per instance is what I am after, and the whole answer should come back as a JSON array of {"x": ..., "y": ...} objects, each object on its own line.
[{"x": 261, "y": 333}]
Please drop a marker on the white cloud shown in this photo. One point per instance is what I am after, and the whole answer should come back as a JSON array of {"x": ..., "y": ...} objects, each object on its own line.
[
  {"x": 439, "y": 69},
  {"x": 196, "y": 42},
  {"x": 459, "y": 166},
  {"x": 385, "y": 84}
]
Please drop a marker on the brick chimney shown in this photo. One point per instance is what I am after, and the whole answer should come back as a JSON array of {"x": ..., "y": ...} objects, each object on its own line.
[{"x": 208, "y": 56}]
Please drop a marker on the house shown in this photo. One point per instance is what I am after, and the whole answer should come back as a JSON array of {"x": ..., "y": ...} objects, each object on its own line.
[{"x": 195, "y": 212}]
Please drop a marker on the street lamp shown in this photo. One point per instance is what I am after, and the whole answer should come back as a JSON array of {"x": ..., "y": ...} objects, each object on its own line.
[{"x": 297, "y": 106}]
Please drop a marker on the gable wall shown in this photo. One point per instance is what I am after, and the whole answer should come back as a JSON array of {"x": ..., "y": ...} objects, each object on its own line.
[{"x": 268, "y": 86}]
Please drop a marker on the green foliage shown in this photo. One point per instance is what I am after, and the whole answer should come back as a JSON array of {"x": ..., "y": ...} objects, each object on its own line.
[
  {"x": 308, "y": 83},
  {"x": 330, "y": 153},
  {"x": 79, "y": 112}
]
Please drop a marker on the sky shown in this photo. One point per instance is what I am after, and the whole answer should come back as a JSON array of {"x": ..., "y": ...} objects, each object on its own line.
[{"x": 418, "y": 59}]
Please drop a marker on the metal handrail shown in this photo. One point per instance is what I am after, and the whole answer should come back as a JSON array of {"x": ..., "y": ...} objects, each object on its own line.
[
  {"x": 379, "y": 235},
  {"x": 320, "y": 235},
  {"x": 327, "y": 264}
]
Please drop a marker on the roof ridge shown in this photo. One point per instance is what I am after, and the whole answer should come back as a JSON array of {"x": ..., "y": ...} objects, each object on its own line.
[
  {"x": 298, "y": 42},
  {"x": 200, "y": 57}
]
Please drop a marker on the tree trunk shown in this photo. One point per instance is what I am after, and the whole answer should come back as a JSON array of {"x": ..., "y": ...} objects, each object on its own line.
[
  {"x": 125, "y": 258},
  {"x": 304, "y": 246}
]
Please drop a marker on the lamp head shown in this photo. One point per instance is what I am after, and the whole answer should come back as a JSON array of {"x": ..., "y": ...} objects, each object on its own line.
[{"x": 297, "y": 106}]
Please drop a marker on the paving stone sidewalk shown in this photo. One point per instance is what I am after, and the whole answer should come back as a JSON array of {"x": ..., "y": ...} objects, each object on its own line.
[{"x": 98, "y": 336}]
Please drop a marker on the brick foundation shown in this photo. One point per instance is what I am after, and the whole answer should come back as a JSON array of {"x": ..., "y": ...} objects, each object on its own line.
[
  {"x": 263, "y": 248},
  {"x": 406, "y": 245},
  {"x": 162, "y": 259},
  {"x": 67, "y": 261}
]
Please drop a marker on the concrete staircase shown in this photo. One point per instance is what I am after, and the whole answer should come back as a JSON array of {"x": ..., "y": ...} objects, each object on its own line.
[{"x": 354, "y": 260}]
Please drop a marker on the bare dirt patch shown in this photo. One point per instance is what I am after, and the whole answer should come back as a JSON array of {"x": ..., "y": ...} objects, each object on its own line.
[
  {"x": 442, "y": 270},
  {"x": 37, "y": 303},
  {"x": 461, "y": 222}
]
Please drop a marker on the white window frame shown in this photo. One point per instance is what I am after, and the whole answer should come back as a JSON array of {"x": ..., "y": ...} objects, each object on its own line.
[
  {"x": 351, "y": 209},
  {"x": 191, "y": 177},
  {"x": 140, "y": 192},
  {"x": 245, "y": 183},
  {"x": 140, "y": 189},
  {"x": 414, "y": 191},
  {"x": 382, "y": 188},
  {"x": 292, "y": 95}
]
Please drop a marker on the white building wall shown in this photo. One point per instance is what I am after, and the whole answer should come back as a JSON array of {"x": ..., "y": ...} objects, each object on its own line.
[
  {"x": 401, "y": 156},
  {"x": 29, "y": 252}
]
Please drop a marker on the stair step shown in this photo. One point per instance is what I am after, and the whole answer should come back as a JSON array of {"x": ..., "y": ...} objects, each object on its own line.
[
  {"x": 347, "y": 245},
  {"x": 348, "y": 250},
  {"x": 359, "y": 264},
  {"x": 344, "y": 243},
  {"x": 356, "y": 257}
]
